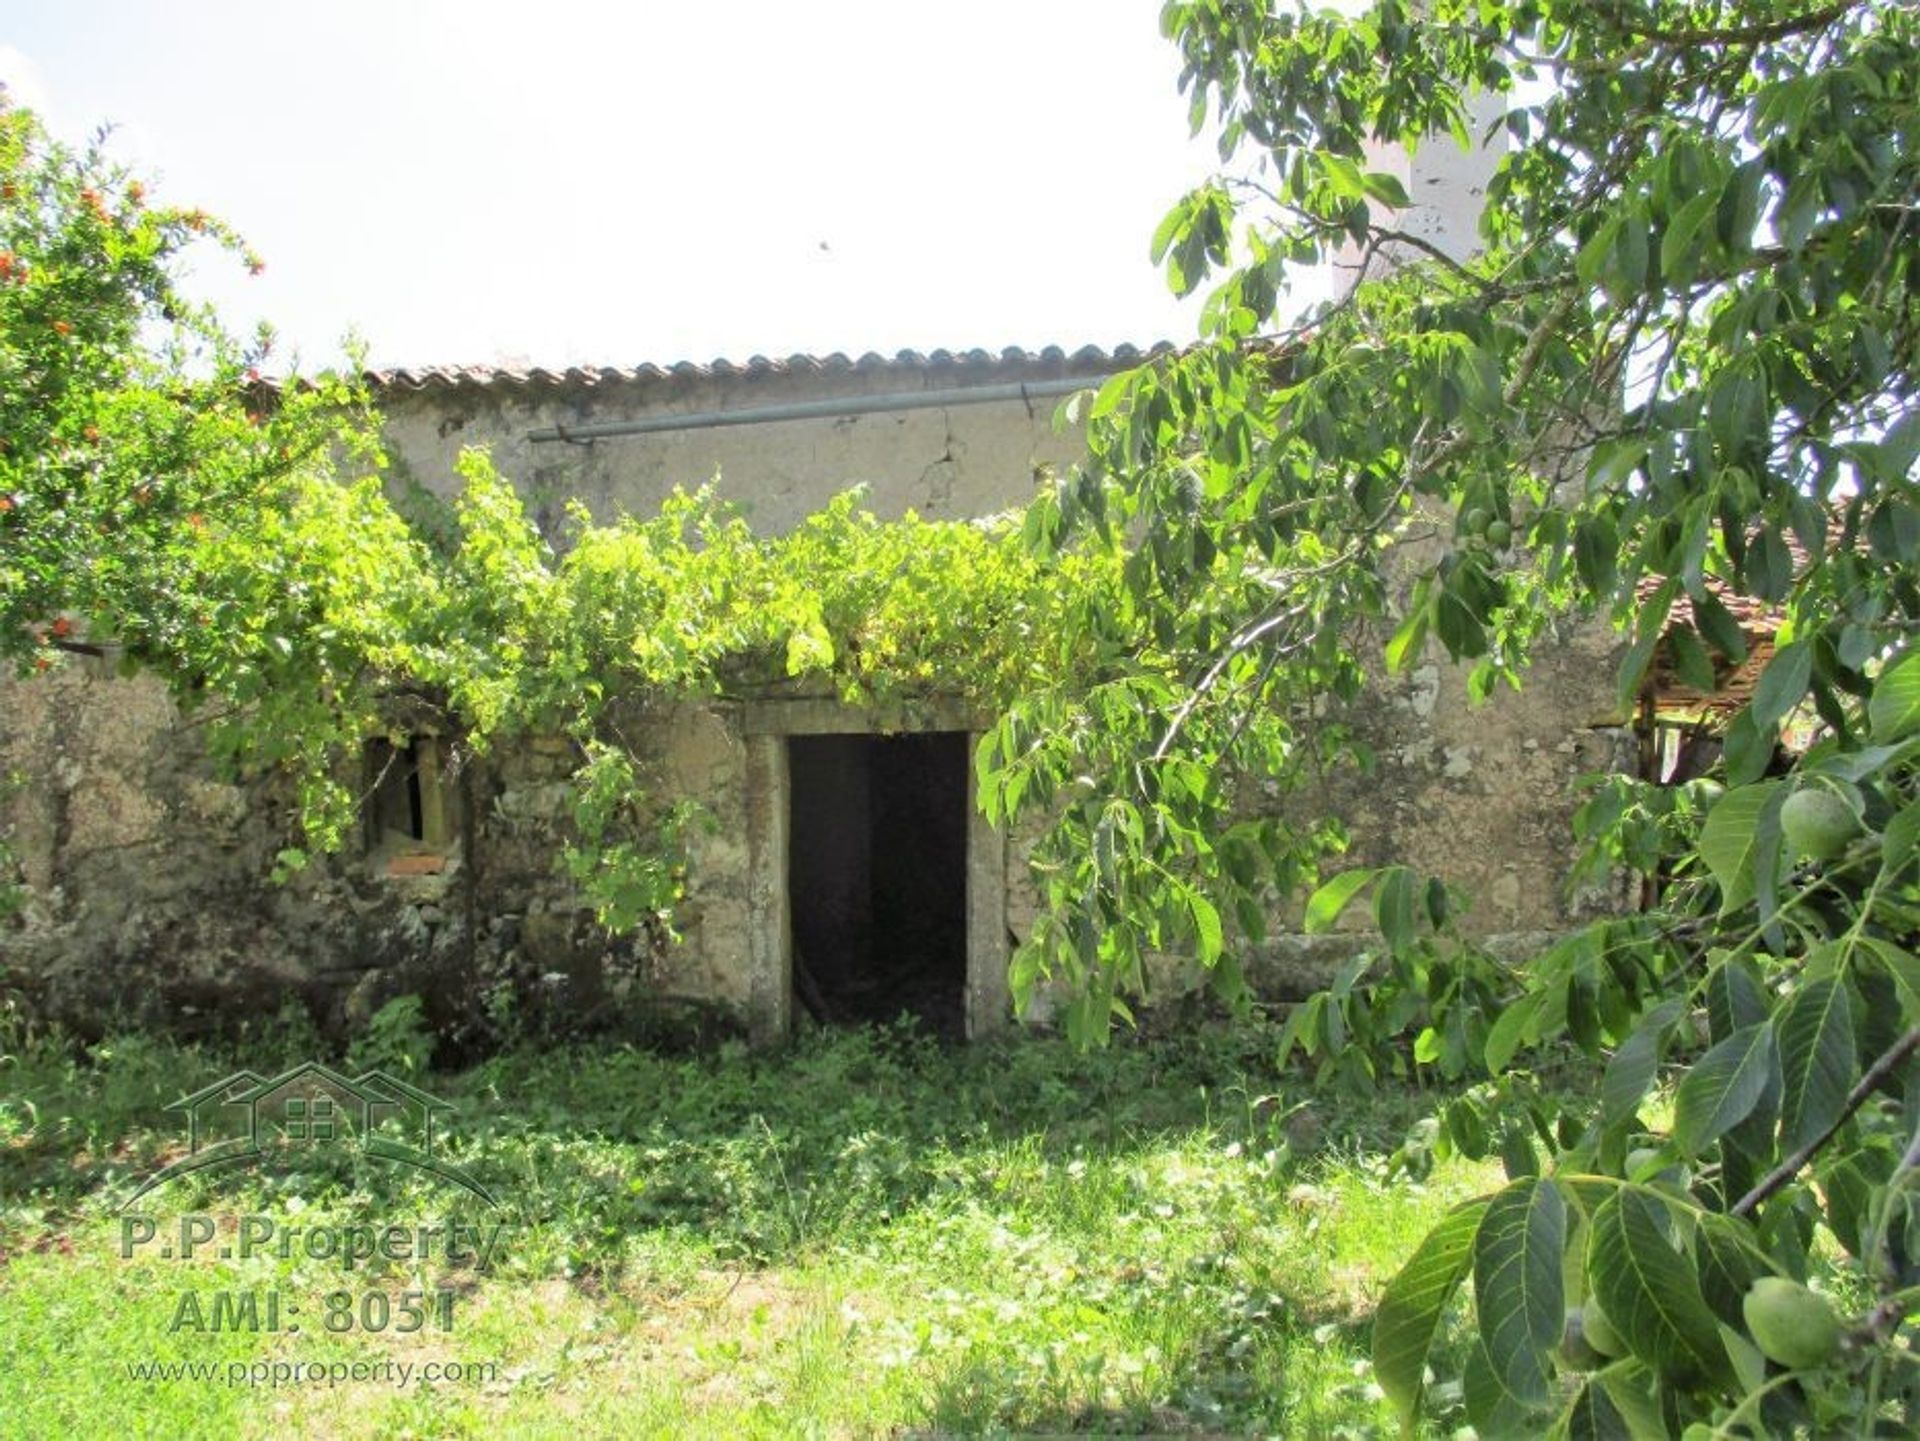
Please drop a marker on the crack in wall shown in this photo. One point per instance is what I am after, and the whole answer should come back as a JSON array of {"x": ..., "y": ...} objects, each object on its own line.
[{"x": 937, "y": 478}]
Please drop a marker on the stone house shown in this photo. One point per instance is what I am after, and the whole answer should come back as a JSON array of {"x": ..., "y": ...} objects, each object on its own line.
[{"x": 845, "y": 872}]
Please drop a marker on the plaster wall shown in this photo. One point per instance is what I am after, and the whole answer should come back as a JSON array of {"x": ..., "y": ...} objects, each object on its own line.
[{"x": 959, "y": 459}]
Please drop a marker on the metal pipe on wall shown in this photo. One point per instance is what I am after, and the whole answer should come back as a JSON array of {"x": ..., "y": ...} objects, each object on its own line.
[{"x": 834, "y": 408}]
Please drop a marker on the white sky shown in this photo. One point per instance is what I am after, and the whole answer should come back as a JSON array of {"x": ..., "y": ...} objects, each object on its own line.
[{"x": 467, "y": 181}]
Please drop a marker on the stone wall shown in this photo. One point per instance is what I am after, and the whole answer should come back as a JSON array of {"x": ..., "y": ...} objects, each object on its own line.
[
  {"x": 1481, "y": 797},
  {"x": 147, "y": 895},
  {"x": 150, "y": 899}
]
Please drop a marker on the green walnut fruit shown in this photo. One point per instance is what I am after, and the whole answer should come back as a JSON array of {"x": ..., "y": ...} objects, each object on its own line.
[
  {"x": 1818, "y": 824},
  {"x": 1498, "y": 533},
  {"x": 1705, "y": 792},
  {"x": 1476, "y": 520},
  {"x": 1790, "y": 1324},
  {"x": 1598, "y": 1330}
]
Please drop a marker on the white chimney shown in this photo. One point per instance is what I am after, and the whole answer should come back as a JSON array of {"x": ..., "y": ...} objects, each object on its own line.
[{"x": 1446, "y": 185}]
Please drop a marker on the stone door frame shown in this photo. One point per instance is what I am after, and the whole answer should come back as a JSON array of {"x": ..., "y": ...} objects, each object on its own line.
[{"x": 766, "y": 727}]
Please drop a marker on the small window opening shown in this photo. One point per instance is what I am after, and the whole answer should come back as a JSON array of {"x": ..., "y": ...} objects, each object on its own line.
[{"x": 407, "y": 804}]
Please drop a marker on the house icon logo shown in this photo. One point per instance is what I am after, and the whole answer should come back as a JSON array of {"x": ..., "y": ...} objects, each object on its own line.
[{"x": 244, "y": 1119}]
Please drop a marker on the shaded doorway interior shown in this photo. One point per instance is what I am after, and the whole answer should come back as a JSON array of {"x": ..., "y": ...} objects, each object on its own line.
[{"x": 877, "y": 877}]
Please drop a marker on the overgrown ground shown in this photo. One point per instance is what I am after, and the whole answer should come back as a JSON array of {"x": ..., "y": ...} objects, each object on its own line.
[{"x": 867, "y": 1234}]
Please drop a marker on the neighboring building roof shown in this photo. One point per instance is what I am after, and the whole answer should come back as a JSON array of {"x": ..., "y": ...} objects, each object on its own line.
[
  {"x": 984, "y": 364},
  {"x": 1759, "y": 622}
]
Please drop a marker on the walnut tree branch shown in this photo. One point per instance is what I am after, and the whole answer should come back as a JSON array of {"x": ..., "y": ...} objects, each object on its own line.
[{"x": 1876, "y": 1075}]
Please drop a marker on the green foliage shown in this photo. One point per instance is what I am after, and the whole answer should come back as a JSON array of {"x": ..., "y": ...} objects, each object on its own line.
[
  {"x": 395, "y": 1039},
  {"x": 158, "y": 503},
  {"x": 13, "y": 892},
  {"x": 161, "y": 505},
  {"x": 1678, "y": 372},
  {"x": 135, "y": 427},
  {"x": 623, "y": 861},
  {"x": 868, "y": 1232},
  {"x": 1679, "y": 369},
  {"x": 691, "y": 604},
  {"x": 1790, "y": 1130},
  {"x": 1271, "y": 495}
]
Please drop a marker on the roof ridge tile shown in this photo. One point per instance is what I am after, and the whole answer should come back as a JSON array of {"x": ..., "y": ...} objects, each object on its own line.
[{"x": 423, "y": 377}]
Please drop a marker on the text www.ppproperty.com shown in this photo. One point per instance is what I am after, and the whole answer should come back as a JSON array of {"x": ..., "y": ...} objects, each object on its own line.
[{"x": 274, "y": 1375}]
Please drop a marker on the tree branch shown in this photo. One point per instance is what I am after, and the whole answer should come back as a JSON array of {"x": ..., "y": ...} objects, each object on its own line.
[
  {"x": 1748, "y": 34},
  {"x": 1383, "y": 236},
  {"x": 1890, "y": 1061}
]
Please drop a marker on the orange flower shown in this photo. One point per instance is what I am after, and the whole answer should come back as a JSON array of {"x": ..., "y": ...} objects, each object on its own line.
[{"x": 61, "y": 327}]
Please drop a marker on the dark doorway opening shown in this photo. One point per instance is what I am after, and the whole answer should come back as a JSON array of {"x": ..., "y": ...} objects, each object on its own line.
[{"x": 877, "y": 877}]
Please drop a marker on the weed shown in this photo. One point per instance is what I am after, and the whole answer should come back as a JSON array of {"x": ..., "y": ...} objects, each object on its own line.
[
  {"x": 395, "y": 1040},
  {"x": 866, "y": 1233}
]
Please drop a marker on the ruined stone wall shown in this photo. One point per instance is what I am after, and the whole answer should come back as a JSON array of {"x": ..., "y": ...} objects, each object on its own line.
[
  {"x": 150, "y": 896},
  {"x": 148, "y": 875},
  {"x": 1480, "y": 796}
]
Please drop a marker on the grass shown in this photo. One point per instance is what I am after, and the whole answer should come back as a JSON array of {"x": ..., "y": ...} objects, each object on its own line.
[{"x": 866, "y": 1234}]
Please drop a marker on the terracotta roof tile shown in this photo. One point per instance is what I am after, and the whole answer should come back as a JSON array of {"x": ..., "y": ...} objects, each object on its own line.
[
  {"x": 985, "y": 362},
  {"x": 1759, "y": 622}
]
